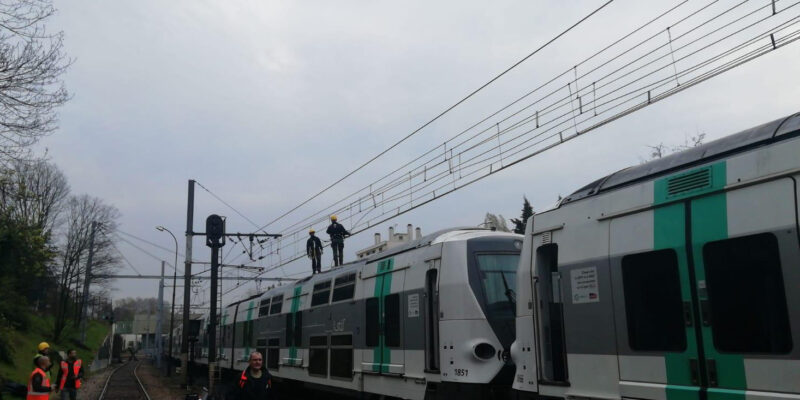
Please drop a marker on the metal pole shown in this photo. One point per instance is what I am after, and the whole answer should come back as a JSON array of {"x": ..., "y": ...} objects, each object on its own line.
[
  {"x": 212, "y": 328},
  {"x": 86, "y": 283},
  {"x": 187, "y": 284},
  {"x": 159, "y": 344},
  {"x": 174, "y": 286}
]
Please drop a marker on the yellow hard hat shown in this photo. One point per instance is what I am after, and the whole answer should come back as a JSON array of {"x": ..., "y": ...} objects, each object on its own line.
[
  {"x": 333, "y": 218},
  {"x": 43, "y": 346},
  {"x": 311, "y": 231}
]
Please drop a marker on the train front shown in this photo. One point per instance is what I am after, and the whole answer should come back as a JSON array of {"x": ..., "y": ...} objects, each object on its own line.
[{"x": 477, "y": 313}]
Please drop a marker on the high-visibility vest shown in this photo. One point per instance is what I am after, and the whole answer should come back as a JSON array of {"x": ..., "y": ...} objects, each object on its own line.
[
  {"x": 76, "y": 367},
  {"x": 45, "y": 382},
  {"x": 243, "y": 380}
]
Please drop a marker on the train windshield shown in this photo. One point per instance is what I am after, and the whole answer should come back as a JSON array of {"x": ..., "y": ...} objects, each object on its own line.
[{"x": 498, "y": 277}]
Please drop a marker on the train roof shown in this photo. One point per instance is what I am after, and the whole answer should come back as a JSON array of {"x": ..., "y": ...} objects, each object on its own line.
[
  {"x": 438, "y": 236},
  {"x": 761, "y": 135}
]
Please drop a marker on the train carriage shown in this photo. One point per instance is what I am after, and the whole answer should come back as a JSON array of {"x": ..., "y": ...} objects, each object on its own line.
[
  {"x": 674, "y": 279},
  {"x": 430, "y": 319}
]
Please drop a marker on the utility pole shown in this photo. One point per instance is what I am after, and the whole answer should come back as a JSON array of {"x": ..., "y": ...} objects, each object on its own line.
[
  {"x": 215, "y": 238},
  {"x": 187, "y": 284},
  {"x": 87, "y": 281},
  {"x": 159, "y": 344}
]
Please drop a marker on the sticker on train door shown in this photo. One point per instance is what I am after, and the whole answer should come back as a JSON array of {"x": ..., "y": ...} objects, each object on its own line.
[
  {"x": 413, "y": 305},
  {"x": 584, "y": 285}
]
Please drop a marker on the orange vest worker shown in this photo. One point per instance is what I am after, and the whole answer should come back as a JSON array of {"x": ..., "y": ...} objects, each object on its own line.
[
  {"x": 45, "y": 383},
  {"x": 76, "y": 367}
]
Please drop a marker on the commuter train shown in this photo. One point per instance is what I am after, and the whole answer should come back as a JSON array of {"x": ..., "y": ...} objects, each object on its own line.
[
  {"x": 674, "y": 279},
  {"x": 433, "y": 318}
]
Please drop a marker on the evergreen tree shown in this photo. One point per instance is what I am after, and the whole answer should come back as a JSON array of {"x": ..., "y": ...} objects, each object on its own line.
[{"x": 527, "y": 212}]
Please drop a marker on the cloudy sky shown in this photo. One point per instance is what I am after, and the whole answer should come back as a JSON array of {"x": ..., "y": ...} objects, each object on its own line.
[{"x": 266, "y": 102}]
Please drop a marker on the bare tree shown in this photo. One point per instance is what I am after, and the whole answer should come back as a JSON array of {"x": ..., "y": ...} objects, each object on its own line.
[
  {"x": 70, "y": 267},
  {"x": 34, "y": 193},
  {"x": 496, "y": 222},
  {"x": 32, "y": 62},
  {"x": 661, "y": 150}
]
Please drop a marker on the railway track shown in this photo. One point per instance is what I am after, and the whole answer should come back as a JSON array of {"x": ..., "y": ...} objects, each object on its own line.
[{"x": 124, "y": 384}]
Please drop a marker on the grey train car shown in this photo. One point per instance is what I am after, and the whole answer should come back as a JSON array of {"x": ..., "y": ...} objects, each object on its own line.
[
  {"x": 431, "y": 319},
  {"x": 672, "y": 280}
]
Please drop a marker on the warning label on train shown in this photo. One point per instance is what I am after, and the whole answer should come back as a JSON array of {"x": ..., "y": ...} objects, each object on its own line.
[
  {"x": 584, "y": 285},
  {"x": 413, "y": 305}
]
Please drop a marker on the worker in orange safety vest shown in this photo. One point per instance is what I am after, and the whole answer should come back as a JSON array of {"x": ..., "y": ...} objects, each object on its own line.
[
  {"x": 39, "y": 387},
  {"x": 70, "y": 375}
]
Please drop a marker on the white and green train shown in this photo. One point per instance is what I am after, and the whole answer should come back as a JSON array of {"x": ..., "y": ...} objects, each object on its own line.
[
  {"x": 433, "y": 319},
  {"x": 678, "y": 279}
]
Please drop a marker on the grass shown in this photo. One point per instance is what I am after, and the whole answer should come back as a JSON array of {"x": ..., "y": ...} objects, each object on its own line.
[{"x": 25, "y": 343}]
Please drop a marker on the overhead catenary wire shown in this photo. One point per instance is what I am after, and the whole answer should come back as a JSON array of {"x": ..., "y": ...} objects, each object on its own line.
[
  {"x": 156, "y": 245},
  {"x": 321, "y": 216},
  {"x": 606, "y": 107},
  {"x": 470, "y": 95}
]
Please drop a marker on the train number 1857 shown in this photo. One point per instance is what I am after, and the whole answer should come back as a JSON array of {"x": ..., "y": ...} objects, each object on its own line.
[{"x": 462, "y": 372}]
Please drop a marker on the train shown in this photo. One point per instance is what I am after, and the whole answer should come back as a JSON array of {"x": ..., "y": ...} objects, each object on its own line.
[
  {"x": 675, "y": 279},
  {"x": 431, "y": 319}
]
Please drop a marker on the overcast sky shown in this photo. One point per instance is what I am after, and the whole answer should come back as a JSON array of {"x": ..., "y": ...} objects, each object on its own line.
[{"x": 267, "y": 102}]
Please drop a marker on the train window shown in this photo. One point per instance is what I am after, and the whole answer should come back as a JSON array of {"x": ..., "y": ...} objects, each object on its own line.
[
  {"x": 261, "y": 347},
  {"x": 653, "y": 304},
  {"x": 747, "y": 303},
  {"x": 289, "y": 330},
  {"x": 277, "y": 303},
  {"x": 298, "y": 329},
  {"x": 321, "y": 293},
  {"x": 248, "y": 334},
  {"x": 344, "y": 287},
  {"x": 498, "y": 274},
  {"x": 391, "y": 309},
  {"x": 263, "y": 308},
  {"x": 372, "y": 326},
  {"x": 318, "y": 356},
  {"x": 273, "y": 353},
  {"x": 342, "y": 353}
]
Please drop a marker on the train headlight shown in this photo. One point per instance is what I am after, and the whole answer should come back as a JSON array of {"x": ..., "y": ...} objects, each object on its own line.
[{"x": 484, "y": 351}]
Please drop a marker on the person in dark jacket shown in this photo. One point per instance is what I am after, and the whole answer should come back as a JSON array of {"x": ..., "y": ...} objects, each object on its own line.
[
  {"x": 255, "y": 382},
  {"x": 69, "y": 376},
  {"x": 39, "y": 387},
  {"x": 337, "y": 234},
  {"x": 314, "y": 252}
]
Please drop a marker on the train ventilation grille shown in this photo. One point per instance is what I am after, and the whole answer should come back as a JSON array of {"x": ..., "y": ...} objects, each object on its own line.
[{"x": 695, "y": 180}]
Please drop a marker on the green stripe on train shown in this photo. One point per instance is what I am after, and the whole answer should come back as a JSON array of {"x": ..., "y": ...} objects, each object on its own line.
[
  {"x": 295, "y": 306},
  {"x": 381, "y": 355},
  {"x": 709, "y": 222},
  {"x": 246, "y": 331}
]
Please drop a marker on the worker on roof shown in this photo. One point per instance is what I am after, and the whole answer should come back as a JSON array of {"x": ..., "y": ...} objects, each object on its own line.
[
  {"x": 314, "y": 252},
  {"x": 337, "y": 234}
]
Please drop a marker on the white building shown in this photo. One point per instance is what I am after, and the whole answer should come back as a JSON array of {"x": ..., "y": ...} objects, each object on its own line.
[{"x": 394, "y": 240}]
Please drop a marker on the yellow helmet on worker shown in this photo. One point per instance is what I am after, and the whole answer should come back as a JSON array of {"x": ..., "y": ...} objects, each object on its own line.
[
  {"x": 43, "y": 346},
  {"x": 333, "y": 218},
  {"x": 311, "y": 231}
]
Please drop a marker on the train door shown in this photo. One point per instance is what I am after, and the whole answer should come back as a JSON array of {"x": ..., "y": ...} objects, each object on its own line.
[
  {"x": 432, "y": 315},
  {"x": 384, "y": 352},
  {"x": 744, "y": 249},
  {"x": 550, "y": 316},
  {"x": 704, "y": 311},
  {"x": 656, "y": 331}
]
